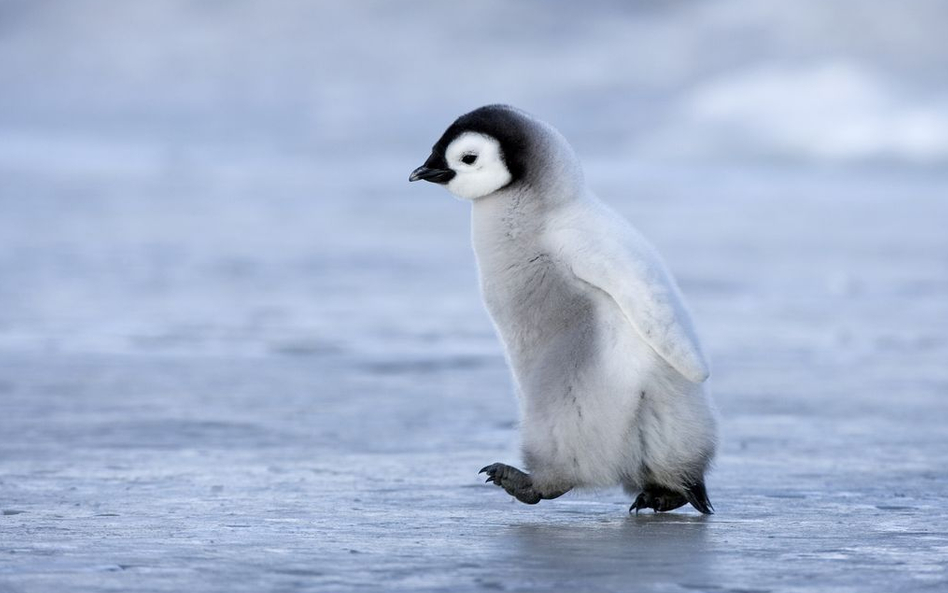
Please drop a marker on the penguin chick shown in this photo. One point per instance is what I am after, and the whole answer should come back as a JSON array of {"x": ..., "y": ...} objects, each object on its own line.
[{"x": 607, "y": 365}]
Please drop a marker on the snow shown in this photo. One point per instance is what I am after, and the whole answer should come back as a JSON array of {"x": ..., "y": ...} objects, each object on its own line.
[
  {"x": 238, "y": 351},
  {"x": 832, "y": 112}
]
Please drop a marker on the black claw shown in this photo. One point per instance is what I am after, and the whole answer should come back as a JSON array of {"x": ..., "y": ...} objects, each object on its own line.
[
  {"x": 493, "y": 473},
  {"x": 662, "y": 499},
  {"x": 642, "y": 501},
  {"x": 697, "y": 495}
]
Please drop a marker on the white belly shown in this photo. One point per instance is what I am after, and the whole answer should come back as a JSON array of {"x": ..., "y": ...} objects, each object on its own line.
[
  {"x": 581, "y": 421},
  {"x": 580, "y": 370}
]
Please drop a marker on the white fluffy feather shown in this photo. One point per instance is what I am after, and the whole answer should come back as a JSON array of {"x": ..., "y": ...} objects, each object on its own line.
[{"x": 607, "y": 364}]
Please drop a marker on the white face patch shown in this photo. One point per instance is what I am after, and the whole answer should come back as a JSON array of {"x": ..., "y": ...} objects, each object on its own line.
[{"x": 478, "y": 165}]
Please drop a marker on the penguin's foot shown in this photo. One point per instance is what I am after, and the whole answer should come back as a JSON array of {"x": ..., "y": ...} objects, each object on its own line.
[
  {"x": 659, "y": 498},
  {"x": 662, "y": 499},
  {"x": 517, "y": 483}
]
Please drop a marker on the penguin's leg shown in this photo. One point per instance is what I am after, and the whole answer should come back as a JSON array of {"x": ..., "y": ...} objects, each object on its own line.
[
  {"x": 518, "y": 484},
  {"x": 663, "y": 499}
]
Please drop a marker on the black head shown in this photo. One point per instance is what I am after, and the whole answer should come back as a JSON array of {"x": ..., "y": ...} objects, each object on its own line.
[{"x": 463, "y": 157}]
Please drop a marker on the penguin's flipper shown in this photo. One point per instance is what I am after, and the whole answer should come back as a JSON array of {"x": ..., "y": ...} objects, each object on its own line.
[
  {"x": 616, "y": 260},
  {"x": 697, "y": 495}
]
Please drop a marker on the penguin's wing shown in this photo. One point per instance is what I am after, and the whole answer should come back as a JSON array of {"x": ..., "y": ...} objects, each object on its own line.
[{"x": 619, "y": 262}]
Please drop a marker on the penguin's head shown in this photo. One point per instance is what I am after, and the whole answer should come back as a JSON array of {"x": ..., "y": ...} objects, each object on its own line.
[{"x": 481, "y": 152}]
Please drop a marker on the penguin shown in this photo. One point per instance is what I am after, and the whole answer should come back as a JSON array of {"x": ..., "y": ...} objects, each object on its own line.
[{"x": 606, "y": 362}]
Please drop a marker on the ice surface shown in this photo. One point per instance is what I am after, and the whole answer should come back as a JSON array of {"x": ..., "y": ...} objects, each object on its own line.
[{"x": 238, "y": 351}]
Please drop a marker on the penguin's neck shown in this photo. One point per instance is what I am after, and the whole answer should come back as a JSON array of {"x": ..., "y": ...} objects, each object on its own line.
[
  {"x": 506, "y": 218},
  {"x": 510, "y": 222},
  {"x": 509, "y": 225},
  {"x": 503, "y": 226}
]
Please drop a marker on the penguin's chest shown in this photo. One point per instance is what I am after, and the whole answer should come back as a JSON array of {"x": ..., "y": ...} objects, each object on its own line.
[
  {"x": 540, "y": 308},
  {"x": 559, "y": 330}
]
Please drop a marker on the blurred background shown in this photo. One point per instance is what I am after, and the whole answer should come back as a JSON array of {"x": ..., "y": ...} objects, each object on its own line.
[
  {"x": 220, "y": 298},
  {"x": 230, "y": 177}
]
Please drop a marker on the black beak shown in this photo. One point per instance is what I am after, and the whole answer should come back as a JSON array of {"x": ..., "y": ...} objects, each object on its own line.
[
  {"x": 432, "y": 175},
  {"x": 434, "y": 170}
]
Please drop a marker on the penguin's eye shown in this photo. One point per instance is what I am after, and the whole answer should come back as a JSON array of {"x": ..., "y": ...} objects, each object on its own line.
[{"x": 469, "y": 159}]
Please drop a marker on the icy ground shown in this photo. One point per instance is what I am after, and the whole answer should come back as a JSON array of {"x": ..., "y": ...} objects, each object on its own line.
[
  {"x": 272, "y": 451},
  {"x": 239, "y": 352}
]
